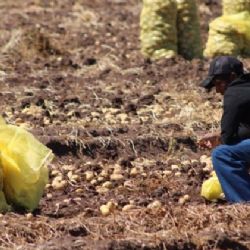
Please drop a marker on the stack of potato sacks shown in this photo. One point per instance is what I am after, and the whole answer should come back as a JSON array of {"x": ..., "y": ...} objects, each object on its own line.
[
  {"x": 230, "y": 33},
  {"x": 170, "y": 27}
]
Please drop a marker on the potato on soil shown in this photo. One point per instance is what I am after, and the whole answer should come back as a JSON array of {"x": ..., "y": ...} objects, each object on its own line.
[
  {"x": 89, "y": 175},
  {"x": 154, "y": 205},
  {"x": 107, "y": 208},
  {"x": 116, "y": 177},
  {"x": 128, "y": 207}
]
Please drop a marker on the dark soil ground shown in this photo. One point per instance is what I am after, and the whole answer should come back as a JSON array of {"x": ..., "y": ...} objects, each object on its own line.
[{"x": 71, "y": 72}]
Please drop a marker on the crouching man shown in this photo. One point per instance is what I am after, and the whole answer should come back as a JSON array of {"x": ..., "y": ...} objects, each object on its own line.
[{"x": 231, "y": 159}]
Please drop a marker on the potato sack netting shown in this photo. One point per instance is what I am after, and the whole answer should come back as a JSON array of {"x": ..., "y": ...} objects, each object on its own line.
[
  {"x": 233, "y": 7},
  {"x": 158, "y": 28},
  {"x": 188, "y": 29},
  {"x": 229, "y": 35}
]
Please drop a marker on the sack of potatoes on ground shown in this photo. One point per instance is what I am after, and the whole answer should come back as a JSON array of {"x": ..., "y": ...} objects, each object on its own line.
[
  {"x": 241, "y": 22},
  {"x": 229, "y": 35},
  {"x": 230, "y": 7},
  {"x": 158, "y": 28},
  {"x": 223, "y": 39},
  {"x": 188, "y": 29}
]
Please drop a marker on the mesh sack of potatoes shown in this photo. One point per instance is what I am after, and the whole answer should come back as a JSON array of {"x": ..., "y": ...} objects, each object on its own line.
[
  {"x": 158, "y": 28},
  {"x": 232, "y": 7},
  {"x": 223, "y": 39},
  {"x": 241, "y": 22},
  {"x": 188, "y": 29},
  {"x": 229, "y": 35}
]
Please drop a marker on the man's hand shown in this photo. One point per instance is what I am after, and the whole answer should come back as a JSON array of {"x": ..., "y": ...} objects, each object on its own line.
[{"x": 209, "y": 140}]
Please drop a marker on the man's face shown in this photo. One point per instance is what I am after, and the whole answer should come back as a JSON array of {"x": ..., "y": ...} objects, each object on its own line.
[
  {"x": 220, "y": 86},
  {"x": 221, "y": 82}
]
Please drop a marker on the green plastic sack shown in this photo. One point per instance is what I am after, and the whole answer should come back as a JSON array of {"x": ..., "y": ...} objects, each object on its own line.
[
  {"x": 229, "y": 35},
  {"x": 211, "y": 188},
  {"x": 24, "y": 162}
]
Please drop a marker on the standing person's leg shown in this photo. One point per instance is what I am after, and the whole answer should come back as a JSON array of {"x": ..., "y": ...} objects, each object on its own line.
[{"x": 231, "y": 163}]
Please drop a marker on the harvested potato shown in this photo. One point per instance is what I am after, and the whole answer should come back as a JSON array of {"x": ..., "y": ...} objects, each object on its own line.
[{"x": 154, "y": 205}]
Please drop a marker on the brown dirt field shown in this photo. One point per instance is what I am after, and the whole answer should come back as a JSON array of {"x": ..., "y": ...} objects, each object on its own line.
[{"x": 71, "y": 73}]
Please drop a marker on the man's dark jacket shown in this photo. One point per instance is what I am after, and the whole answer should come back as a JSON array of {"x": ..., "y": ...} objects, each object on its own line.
[{"x": 235, "y": 122}]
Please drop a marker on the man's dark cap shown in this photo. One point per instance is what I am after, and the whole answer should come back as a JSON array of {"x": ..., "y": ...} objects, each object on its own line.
[{"x": 222, "y": 65}]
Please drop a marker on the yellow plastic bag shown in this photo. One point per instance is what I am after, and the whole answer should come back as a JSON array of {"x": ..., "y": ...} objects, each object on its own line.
[
  {"x": 4, "y": 207},
  {"x": 2, "y": 121},
  {"x": 24, "y": 162},
  {"x": 211, "y": 188}
]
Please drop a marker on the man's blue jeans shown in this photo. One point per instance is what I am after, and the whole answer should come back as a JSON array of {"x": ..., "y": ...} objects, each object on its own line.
[{"x": 231, "y": 164}]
